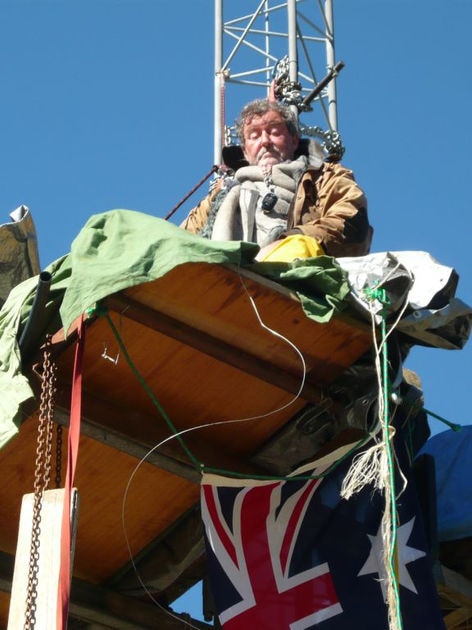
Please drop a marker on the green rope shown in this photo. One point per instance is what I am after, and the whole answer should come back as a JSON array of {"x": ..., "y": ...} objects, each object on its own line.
[
  {"x": 376, "y": 293},
  {"x": 451, "y": 425},
  {"x": 409, "y": 430},
  {"x": 334, "y": 465},
  {"x": 99, "y": 310},
  {"x": 391, "y": 470}
]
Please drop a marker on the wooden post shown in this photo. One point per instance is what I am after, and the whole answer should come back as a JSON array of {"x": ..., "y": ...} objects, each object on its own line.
[{"x": 48, "y": 561}]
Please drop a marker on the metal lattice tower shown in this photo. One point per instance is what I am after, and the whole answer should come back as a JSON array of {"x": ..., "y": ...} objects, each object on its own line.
[{"x": 293, "y": 42}]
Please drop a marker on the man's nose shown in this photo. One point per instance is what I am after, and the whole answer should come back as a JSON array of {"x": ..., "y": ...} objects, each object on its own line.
[{"x": 265, "y": 138}]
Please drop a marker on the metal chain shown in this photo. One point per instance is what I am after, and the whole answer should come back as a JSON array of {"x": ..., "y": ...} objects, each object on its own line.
[
  {"x": 58, "y": 476},
  {"x": 41, "y": 478}
]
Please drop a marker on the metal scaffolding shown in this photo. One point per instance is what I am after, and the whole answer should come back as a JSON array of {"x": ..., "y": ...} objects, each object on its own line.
[{"x": 258, "y": 42}]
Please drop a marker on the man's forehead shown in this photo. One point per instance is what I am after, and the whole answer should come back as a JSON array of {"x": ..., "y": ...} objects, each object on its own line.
[{"x": 260, "y": 120}]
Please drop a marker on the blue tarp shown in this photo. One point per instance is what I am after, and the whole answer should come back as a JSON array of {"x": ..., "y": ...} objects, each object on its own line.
[{"x": 452, "y": 452}]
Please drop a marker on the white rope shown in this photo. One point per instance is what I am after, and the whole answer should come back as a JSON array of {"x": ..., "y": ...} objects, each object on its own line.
[
  {"x": 196, "y": 428},
  {"x": 373, "y": 467}
]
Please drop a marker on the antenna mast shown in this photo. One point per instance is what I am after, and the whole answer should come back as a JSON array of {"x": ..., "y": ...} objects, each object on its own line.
[{"x": 291, "y": 42}]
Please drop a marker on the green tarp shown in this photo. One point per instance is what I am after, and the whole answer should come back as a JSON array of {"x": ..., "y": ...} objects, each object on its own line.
[{"x": 123, "y": 248}]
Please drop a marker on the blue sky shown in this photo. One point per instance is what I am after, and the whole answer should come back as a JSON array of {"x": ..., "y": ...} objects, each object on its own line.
[{"x": 109, "y": 104}]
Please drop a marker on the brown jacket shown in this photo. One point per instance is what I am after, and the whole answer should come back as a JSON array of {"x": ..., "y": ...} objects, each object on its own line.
[{"x": 328, "y": 206}]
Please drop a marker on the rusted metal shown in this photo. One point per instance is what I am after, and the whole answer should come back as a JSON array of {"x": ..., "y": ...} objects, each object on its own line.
[{"x": 41, "y": 477}]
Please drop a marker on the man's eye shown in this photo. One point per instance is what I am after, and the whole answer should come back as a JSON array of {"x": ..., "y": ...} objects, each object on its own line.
[{"x": 253, "y": 135}]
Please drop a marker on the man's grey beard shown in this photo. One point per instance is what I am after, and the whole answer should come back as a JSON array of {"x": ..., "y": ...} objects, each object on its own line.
[{"x": 263, "y": 151}]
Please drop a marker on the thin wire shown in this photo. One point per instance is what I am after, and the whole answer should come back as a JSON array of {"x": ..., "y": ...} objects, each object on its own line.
[
  {"x": 403, "y": 308},
  {"x": 125, "y": 533},
  {"x": 178, "y": 435},
  {"x": 452, "y": 425},
  {"x": 149, "y": 391},
  {"x": 158, "y": 446},
  {"x": 273, "y": 411}
]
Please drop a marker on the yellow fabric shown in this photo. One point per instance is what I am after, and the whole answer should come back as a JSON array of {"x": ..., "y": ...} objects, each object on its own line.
[{"x": 294, "y": 246}]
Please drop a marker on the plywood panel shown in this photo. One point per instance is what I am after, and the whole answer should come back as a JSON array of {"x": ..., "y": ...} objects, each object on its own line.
[
  {"x": 154, "y": 500},
  {"x": 195, "y": 353}
]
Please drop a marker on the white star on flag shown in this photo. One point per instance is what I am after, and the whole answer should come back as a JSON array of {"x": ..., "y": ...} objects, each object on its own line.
[{"x": 406, "y": 554}]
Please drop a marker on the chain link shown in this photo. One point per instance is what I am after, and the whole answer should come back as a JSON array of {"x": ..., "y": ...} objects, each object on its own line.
[
  {"x": 58, "y": 476},
  {"x": 41, "y": 478}
]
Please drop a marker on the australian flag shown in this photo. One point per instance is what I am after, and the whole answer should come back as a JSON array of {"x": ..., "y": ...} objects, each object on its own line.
[{"x": 294, "y": 555}]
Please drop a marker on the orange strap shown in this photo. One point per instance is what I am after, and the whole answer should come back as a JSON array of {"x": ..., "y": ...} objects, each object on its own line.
[{"x": 63, "y": 595}]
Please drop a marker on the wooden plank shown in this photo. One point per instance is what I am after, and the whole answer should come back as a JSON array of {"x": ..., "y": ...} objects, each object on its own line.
[
  {"x": 126, "y": 444},
  {"x": 155, "y": 499},
  {"x": 230, "y": 304},
  {"x": 212, "y": 346},
  {"x": 103, "y": 606},
  {"x": 194, "y": 337},
  {"x": 95, "y": 604},
  {"x": 48, "y": 561},
  {"x": 166, "y": 558},
  {"x": 136, "y": 434},
  {"x": 195, "y": 354},
  {"x": 191, "y": 387},
  {"x": 458, "y": 619}
]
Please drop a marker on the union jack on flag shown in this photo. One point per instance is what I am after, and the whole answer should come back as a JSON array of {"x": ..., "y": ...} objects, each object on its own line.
[{"x": 294, "y": 555}]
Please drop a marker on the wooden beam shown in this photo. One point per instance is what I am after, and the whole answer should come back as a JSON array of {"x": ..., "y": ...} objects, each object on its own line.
[
  {"x": 104, "y": 606},
  {"x": 136, "y": 435},
  {"x": 47, "y": 559},
  {"x": 98, "y": 605},
  {"x": 162, "y": 563},
  {"x": 212, "y": 346},
  {"x": 126, "y": 444}
]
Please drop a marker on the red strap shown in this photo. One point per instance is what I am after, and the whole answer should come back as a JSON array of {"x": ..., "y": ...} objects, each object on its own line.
[{"x": 63, "y": 595}]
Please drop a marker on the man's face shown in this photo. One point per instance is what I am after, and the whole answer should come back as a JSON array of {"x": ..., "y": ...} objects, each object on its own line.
[{"x": 267, "y": 140}]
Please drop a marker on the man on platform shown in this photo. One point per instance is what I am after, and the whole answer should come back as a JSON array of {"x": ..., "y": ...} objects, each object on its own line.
[{"x": 282, "y": 186}]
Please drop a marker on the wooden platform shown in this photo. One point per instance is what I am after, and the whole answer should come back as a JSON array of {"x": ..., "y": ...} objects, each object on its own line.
[{"x": 196, "y": 341}]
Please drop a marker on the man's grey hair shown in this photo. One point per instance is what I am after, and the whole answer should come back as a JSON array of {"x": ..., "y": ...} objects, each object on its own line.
[{"x": 260, "y": 107}]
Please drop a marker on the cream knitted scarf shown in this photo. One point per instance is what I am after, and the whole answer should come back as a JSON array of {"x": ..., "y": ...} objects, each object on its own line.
[{"x": 241, "y": 216}]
